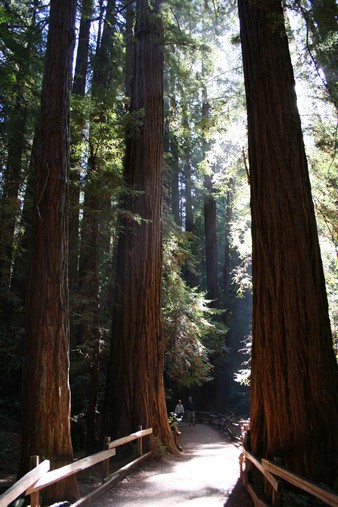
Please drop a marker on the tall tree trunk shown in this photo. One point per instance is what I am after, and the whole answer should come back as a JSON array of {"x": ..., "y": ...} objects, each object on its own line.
[
  {"x": 11, "y": 385},
  {"x": 210, "y": 223},
  {"x": 88, "y": 329},
  {"x": 294, "y": 373},
  {"x": 46, "y": 397},
  {"x": 226, "y": 266},
  {"x": 14, "y": 176},
  {"x": 78, "y": 133},
  {"x": 10, "y": 203},
  {"x": 135, "y": 388},
  {"x": 89, "y": 326},
  {"x": 129, "y": 35},
  {"x": 171, "y": 150},
  {"x": 190, "y": 275}
]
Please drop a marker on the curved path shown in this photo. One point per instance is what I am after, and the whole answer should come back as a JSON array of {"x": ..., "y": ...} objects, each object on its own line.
[{"x": 205, "y": 474}]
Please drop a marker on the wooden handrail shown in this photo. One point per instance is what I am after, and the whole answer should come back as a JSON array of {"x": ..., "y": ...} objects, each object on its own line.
[
  {"x": 297, "y": 480},
  {"x": 275, "y": 483},
  {"x": 25, "y": 482},
  {"x": 82, "y": 464},
  {"x": 63, "y": 472},
  {"x": 129, "y": 438},
  {"x": 40, "y": 476}
]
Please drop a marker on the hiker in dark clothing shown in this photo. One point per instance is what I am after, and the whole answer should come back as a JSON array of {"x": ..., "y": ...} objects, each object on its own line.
[{"x": 190, "y": 409}]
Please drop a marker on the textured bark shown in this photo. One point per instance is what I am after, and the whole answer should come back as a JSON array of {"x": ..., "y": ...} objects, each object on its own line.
[
  {"x": 294, "y": 372},
  {"x": 135, "y": 389},
  {"x": 46, "y": 396}
]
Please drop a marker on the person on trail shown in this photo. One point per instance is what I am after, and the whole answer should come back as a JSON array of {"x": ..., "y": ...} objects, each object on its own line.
[
  {"x": 179, "y": 409},
  {"x": 191, "y": 411}
]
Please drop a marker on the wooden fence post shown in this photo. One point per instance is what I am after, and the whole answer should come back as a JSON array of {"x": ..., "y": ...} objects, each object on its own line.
[
  {"x": 139, "y": 444},
  {"x": 241, "y": 459},
  {"x": 105, "y": 463},
  {"x": 34, "y": 497},
  {"x": 276, "y": 498}
]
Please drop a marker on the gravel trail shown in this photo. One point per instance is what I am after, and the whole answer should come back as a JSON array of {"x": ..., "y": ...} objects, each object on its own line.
[{"x": 206, "y": 474}]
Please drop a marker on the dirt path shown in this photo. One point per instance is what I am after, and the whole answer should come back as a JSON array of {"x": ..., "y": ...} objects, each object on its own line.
[{"x": 206, "y": 474}]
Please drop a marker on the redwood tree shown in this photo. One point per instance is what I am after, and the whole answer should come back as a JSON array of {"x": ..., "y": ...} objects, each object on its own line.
[
  {"x": 135, "y": 389},
  {"x": 294, "y": 373},
  {"x": 46, "y": 397}
]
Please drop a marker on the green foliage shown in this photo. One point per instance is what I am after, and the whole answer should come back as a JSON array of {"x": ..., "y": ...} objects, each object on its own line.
[
  {"x": 157, "y": 447},
  {"x": 318, "y": 34},
  {"x": 324, "y": 179},
  {"x": 310, "y": 27},
  {"x": 187, "y": 320},
  {"x": 243, "y": 375}
]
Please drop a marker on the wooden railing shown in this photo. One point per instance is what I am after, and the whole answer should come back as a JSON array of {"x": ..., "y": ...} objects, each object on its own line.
[
  {"x": 231, "y": 428},
  {"x": 41, "y": 476},
  {"x": 273, "y": 473}
]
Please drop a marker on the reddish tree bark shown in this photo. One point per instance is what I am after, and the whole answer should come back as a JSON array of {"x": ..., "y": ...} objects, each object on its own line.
[
  {"x": 294, "y": 372},
  {"x": 135, "y": 388},
  {"x": 46, "y": 396}
]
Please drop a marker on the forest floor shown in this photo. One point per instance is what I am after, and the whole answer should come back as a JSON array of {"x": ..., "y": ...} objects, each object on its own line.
[{"x": 205, "y": 474}]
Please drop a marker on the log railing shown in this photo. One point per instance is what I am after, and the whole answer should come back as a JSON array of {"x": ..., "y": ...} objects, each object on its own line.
[
  {"x": 273, "y": 473},
  {"x": 41, "y": 476}
]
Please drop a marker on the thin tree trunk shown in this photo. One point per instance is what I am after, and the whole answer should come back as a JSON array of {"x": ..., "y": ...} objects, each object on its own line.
[
  {"x": 130, "y": 15},
  {"x": 79, "y": 90},
  {"x": 226, "y": 266},
  {"x": 190, "y": 275},
  {"x": 46, "y": 396},
  {"x": 14, "y": 175},
  {"x": 89, "y": 326},
  {"x": 294, "y": 373},
  {"x": 210, "y": 224}
]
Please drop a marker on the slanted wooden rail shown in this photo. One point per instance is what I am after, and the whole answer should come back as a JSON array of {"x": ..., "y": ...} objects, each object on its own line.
[
  {"x": 273, "y": 473},
  {"x": 25, "y": 482},
  {"x": 41, "y": 476}
]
